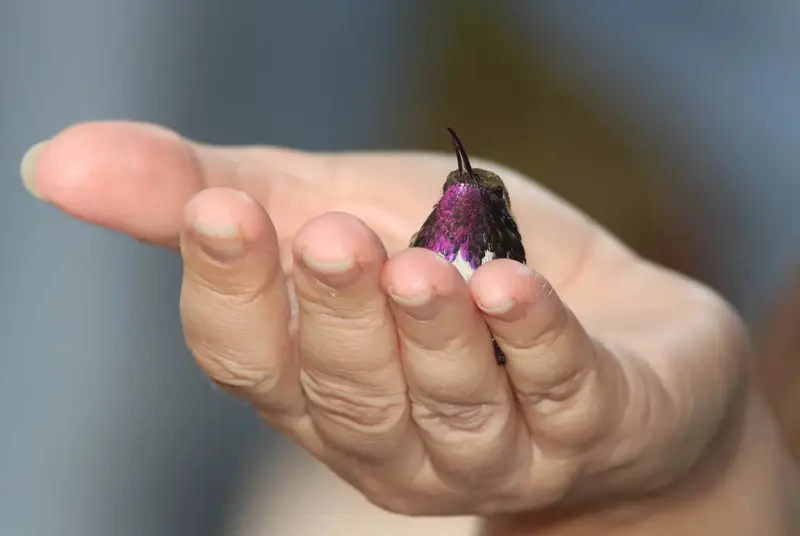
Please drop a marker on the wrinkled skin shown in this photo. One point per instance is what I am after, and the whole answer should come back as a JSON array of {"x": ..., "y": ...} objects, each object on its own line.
[{"x": 301, "y": 297}]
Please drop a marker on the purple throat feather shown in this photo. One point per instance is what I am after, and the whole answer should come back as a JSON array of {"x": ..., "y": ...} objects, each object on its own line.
[{"x": 472, "y": 223}]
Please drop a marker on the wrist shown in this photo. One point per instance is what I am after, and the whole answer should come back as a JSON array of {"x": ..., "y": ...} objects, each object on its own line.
[{"x": 746, "y": 484}]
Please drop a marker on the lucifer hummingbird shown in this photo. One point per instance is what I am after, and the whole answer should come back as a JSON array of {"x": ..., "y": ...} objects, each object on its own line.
[{"x": 472, "y": 224}]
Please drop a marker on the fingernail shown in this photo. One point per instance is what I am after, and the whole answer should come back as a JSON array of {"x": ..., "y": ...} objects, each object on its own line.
[
  {"x": 27, "y": 169},
  {"x": 330, "y": 266},
  {"x": 501, "y": 308},
  {"x": 418, "y": 303},
  {"x": 220, "y": 242},
  {"x": 414, "y": 299}
]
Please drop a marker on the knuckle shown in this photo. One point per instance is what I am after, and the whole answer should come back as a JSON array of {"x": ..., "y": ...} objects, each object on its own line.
[
  {"x": 353, "y": 407},
  {"x": 574, "y": 421},
  {"x": 553, "y": 391},
  {"x": 472, "y": 418},
  {"x": 238, "y": 376},
  {"x": 220, "y": 339},
  {"x": 228, "y": 368}
]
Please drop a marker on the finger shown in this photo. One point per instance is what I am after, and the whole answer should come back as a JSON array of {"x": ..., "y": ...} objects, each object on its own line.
[
  {"x": 234, "y": 304},
  {"x": 129, "y": 177},
  {"x": 570, "y": 389},
  {"x": 461, "y": 399},
  {"x": 136, "y": 178},
  {"x": 351, "y": 372}
]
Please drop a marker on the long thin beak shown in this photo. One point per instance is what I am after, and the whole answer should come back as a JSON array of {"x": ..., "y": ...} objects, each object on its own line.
[{"x": 463, "y": 160}]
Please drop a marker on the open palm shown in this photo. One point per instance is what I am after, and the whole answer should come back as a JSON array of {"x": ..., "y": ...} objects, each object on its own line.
[{"x": 301, "y": 296}]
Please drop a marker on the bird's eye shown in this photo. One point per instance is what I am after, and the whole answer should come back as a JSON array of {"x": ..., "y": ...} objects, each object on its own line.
[{"x": 499, "y": 191}]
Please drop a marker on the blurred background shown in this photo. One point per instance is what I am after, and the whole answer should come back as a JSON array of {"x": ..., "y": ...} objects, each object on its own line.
[{"x": 675, "y": 124}]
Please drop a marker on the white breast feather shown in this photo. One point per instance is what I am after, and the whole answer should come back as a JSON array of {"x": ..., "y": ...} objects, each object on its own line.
[{"x": 463, "y": 266}]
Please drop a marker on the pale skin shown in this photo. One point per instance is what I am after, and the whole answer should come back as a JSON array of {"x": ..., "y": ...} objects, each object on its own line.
[{"x": 301, "y": 297}]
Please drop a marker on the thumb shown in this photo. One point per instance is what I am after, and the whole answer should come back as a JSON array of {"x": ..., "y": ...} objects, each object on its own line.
[
  {"x": 128, "y": 177},
  {"x": 136, "y": 178}
]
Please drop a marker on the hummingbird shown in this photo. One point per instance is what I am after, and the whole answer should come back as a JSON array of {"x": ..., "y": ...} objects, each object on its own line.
[{"x": 472, "y": 223}]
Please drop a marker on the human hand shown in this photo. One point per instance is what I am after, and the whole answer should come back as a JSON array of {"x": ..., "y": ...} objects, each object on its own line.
[{"x": 619, "y": 373}]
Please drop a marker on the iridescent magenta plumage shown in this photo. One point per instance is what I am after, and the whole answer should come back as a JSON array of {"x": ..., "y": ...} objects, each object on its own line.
[{"x": 461, "y": 214}]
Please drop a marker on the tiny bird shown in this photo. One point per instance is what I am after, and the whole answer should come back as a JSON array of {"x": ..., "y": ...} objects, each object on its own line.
[{"x": 472, "y": 223}]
